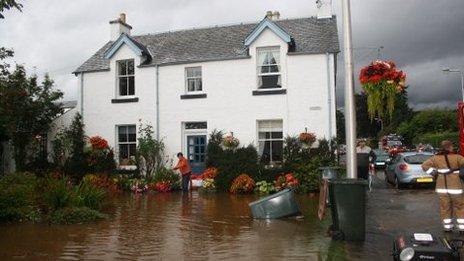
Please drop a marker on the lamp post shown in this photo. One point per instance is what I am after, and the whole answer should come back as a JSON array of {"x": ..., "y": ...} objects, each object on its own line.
[
  {"x": 350, "y": 112},
  {"x": 448, "y": 70}
]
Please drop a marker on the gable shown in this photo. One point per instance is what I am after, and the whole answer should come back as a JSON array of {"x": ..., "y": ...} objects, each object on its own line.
[
  {"x": 267, "y": 24},
  {"x": 124, "y": 39}
]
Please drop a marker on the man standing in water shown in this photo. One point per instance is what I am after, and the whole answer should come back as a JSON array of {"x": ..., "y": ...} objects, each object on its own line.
[
  {"x": 184, "y": 167},
  {"x": 365, "y": 157}
]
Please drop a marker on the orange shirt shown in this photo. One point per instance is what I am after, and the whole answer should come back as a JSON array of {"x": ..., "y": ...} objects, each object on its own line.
[{"x": 183, "y": 166}]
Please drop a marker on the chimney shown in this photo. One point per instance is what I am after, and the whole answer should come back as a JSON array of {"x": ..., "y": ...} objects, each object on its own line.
[
  {"x": 324, "y": 9},
  {"x": 119, "y": 26},
  {"x": 273, "y": 15}
]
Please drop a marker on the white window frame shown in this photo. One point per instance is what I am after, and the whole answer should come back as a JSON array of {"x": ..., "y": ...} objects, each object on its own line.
[
  {"x": 125, "y": 142},
  {"x": 273, "y": 129},
  {"x": 187, "y": 78},
  {"x": 119, "y": 76},
  {"x": 260, "y": 50}
]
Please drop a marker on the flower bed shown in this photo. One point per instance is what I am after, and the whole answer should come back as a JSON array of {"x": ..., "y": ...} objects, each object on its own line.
[{"x": 242, "y": 184}]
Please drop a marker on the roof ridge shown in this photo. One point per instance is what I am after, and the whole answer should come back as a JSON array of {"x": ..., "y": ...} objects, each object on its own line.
[{"x": 221, "y": 26}]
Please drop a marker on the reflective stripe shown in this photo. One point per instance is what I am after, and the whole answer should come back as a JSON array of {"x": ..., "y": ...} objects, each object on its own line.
[
  {"x": 445, "y": 171},
  {"x": 461, "y": 226},
  {"x": 449, "y": 191},
  {"x": 448, "y": 220},
  {"x": 448, "y": 226},
  {"x": 430, "y": 170},
  {"x": 460, "y": 220}
]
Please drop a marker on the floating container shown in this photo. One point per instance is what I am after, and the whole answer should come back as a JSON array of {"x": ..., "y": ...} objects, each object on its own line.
[{"x": 278, "y": 205}]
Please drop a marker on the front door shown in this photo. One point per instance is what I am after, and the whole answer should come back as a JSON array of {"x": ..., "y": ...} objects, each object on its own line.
[{"x": 196, "y": 152}]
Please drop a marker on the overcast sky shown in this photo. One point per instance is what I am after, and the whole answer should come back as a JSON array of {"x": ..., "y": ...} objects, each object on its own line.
[{"x": 421, "y": 36}]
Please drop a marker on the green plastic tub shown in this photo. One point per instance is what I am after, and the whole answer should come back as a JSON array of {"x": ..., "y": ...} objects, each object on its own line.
[{"x": 279, "y": 205}]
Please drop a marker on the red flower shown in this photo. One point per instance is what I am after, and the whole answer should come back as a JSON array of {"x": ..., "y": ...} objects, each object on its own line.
[{"x": 98, "y": 143}]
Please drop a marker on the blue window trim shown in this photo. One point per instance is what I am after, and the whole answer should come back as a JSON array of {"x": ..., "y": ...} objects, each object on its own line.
[
  {"x": 123, "y": 39},
  {"x": 266, "y": 23}
]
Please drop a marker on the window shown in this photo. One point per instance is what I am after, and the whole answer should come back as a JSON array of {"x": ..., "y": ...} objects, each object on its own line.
[
  {"x": 193, "y": 79},
  {"x": 269, "y": 74},
  {"x": 126, "y": 81},
  {"x": 270, "y": 141},
  {"x": 127, "y": 143}
]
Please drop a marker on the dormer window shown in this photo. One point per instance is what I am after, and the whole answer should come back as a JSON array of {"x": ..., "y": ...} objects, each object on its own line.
[
  {"x": 269, "y": 73},
  {"x": 125, "y": 77}
]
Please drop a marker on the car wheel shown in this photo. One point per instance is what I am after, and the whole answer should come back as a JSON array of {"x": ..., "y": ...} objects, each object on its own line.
[{"x": 398, "y": 184}]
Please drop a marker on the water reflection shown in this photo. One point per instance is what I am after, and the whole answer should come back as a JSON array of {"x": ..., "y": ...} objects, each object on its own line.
[{"x": 177, "y": 226}]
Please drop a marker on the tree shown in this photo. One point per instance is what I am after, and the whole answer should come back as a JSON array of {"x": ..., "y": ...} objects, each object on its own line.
[
  {"x": 402, "y": 113},
  {"x": 340, "y": 119},
  {"x": 365, "y": 127},
  {"x": 27, "y": 110},
  {"x": 9, "y": 4},
  {"x": 150, "y": 154},
  {"x": 76, "y": 164}
]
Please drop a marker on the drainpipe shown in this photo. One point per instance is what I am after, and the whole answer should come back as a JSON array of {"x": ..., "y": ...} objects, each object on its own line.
[
  {"x": 82, "y": 95},
  {"x": 157, "y": 104},
  {"x": 329, "y": 96}
]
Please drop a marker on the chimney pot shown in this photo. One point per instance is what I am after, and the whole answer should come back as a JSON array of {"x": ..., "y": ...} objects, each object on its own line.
[
  {"x": 276, "y": 15},
  {"x": 269, "y": 14},
  {"x": 122, "y": 17}
]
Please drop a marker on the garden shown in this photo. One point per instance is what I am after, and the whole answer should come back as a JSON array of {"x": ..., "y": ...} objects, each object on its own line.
[{"x": 75, "y": 186}]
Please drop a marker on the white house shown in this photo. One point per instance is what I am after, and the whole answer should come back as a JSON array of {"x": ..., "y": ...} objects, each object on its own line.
[{"x": 260, "y": 81}]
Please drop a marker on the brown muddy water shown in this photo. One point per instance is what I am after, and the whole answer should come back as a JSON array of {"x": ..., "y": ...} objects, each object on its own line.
[{"x": 176, "y": 227}]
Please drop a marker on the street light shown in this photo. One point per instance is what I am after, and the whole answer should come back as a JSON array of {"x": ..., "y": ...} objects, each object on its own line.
[{"x": 448, "y": 70}]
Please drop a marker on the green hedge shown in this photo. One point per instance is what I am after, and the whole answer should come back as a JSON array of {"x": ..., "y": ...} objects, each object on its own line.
[{"x": 435, "y": 138}]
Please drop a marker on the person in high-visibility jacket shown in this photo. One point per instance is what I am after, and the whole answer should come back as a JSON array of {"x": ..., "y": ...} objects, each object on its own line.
[{"x": 445, "y": 167}]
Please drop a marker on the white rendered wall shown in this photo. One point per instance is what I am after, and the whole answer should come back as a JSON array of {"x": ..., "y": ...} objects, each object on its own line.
[
  {"x": 229, "y": 106},
  {"x": 101, "y": 116}
]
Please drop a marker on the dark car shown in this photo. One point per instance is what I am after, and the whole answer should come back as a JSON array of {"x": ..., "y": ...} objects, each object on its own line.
[
  {"x": 405, "y": 168},
  {"x": 381, "y": 159}
]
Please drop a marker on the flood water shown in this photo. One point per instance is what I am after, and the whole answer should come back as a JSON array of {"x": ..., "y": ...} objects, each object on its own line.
[{"x": 173, "y": 226}]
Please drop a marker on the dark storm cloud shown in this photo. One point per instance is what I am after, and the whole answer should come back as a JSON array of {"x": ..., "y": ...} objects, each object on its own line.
[{"x": 421, "y": 36}]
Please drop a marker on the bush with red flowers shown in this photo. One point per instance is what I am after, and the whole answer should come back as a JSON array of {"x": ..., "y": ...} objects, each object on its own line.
[
  {"x": 242, "y": 184},
  {"x": 100, "y": 157},
  {"x": 209, "y": 173},
  {"x": 382, "y": 81},
  {"x": 286, "y": 181},
  {"x": 161, "y": 186}
]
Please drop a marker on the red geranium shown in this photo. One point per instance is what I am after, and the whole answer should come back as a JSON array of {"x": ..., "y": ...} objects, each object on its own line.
[
  {"x": 161, "y": 186},
  {"x": 98, "y": 143},
  {"x": 286, "y": 181}
]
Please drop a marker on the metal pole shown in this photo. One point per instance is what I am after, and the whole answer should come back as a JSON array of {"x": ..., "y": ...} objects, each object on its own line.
[
  {"x": 350, "y": 112},
  {"x": 462, "y": 85}
]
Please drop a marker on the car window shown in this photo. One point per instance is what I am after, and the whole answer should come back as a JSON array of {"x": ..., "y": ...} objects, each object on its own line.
[{"x": 416, "y": 159}]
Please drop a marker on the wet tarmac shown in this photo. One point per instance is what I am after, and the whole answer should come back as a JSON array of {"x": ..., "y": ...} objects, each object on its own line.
[{"x": 392, "y": 212}]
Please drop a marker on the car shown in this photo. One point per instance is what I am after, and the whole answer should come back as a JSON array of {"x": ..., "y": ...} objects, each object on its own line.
[
  {"x": 381, "y": 159},
  {"x": 405, "y": 169}
]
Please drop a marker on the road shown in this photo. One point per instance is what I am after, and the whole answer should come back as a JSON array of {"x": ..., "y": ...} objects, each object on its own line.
[{"x": 391, "y": 212}]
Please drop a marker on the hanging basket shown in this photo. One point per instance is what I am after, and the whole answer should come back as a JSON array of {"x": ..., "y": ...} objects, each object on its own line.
[{"x": 382, "y": 81}]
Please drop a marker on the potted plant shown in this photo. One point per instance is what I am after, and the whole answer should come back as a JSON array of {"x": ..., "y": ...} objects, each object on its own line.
[{"x": 381, "y": 81}]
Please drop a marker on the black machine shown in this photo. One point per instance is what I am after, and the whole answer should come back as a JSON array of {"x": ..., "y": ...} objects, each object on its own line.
[{"x": 423, "y": 246}]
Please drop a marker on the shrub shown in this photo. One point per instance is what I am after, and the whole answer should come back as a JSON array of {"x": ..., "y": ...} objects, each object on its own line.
[
  {"x": 57, "y": 193},
  {"x": 75, "y": 215},
  {"x": 150, "y": 155},
  {"x": 435, "y": 139},
  {"x": 100, "y": 156},
  {"x": 286, "y": 181},
  {"x": 88, "y": 195},
  {"x": 103, "y": 181},
  {"x": 76, "y": 164},
  {"x": 17, "y": 197},
  {"x": 264, "y": 187},
  {"x": 242, "y": 184},
  {"x": 209, "y": 173}
]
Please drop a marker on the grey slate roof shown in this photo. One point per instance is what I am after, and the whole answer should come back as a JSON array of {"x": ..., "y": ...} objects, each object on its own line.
[{"x": 310, "y": 35}]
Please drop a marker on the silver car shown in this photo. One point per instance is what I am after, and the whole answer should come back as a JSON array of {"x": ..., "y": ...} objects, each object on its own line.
[{"x": 405, "y": 168}]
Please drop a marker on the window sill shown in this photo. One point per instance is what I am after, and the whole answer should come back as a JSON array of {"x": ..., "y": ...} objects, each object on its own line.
[
  {"x": 193, "y": 96},
  {"x": 269, "y": 92},
  {"x": 127, "y": 167},
  {"x": 124, "y": 100}
]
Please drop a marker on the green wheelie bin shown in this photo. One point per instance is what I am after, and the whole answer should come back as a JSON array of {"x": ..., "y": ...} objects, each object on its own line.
[{"x": 348, "y": 207}]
